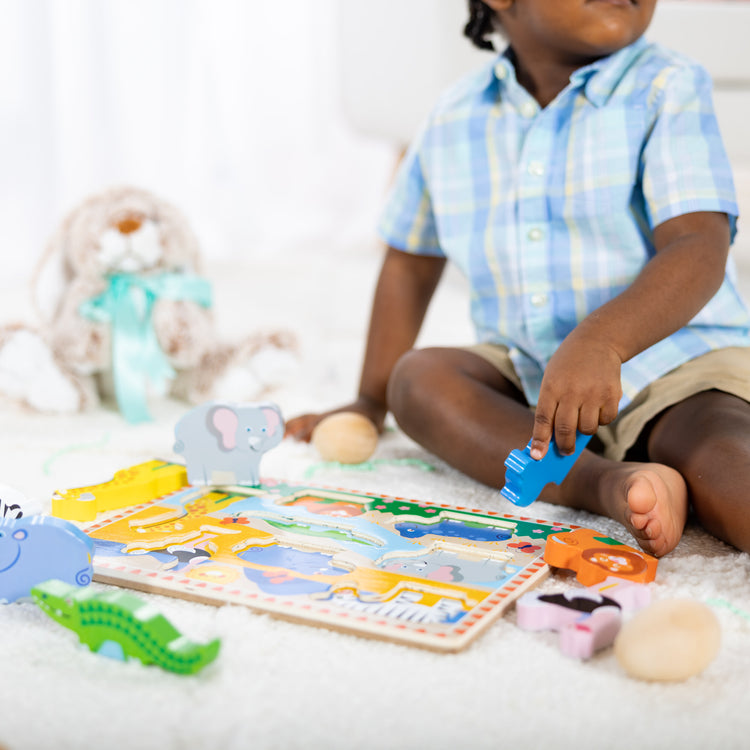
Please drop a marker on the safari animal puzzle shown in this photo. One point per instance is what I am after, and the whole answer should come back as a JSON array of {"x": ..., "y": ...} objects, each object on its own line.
[{"x": 419, "y": 573}]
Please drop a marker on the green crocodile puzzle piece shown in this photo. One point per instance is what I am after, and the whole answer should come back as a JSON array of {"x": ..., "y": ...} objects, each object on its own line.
[{"x": 116, "y": 623}]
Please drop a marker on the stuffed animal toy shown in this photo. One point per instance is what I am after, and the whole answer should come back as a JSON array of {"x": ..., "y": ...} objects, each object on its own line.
[{"x": 133, "y": 316}]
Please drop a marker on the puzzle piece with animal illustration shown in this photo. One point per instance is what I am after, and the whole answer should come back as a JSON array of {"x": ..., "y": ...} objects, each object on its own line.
[
  {"x": 122, "y": 626},
  {"x": 150, "y": 479},
  {"x": 13, "y": 503},
  {"x": 35, "y": 548},
  {"x": 596, "y": 556},
  {"x": 586, "y": 619},
  {"x": 420, "y": 573}
]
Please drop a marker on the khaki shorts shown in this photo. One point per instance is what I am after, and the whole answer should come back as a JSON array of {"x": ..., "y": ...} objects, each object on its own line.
[{"x": 726, "y": 370}]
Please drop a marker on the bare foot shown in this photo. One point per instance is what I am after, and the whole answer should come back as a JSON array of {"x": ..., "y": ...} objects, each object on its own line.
[{"x": 650, "y": 500}]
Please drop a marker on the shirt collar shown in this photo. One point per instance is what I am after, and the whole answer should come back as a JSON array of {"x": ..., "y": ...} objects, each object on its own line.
[
  {"x": 504, "y": 72},
  {"x": 598, "y": 80}
]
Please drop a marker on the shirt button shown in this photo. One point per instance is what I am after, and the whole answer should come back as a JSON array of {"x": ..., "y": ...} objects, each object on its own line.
[
  {"x": 528, "y": 109},
  {"x": 535, "y": 234},
  {"x": 536, "y": 168},
  {"x": 500, "y": 71},
  {"x": 539, "y": 300}
]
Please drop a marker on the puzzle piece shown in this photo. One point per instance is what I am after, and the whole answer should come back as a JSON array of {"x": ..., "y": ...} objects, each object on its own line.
[
  {"x": 120, "y": 625},
  {"x": 223, "y": 442},
  {"x": 525, "y": 478},
  {"x": 35, "y": 548},
  {"x": 130, "y": 486},
  {"x": 586, "y": 619},
  {"x": 595, "y": 556},
  {"x": 12, "y": 502}
]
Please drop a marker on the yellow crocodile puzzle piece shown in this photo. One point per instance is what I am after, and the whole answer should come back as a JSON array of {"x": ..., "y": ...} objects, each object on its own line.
[{"x": 137, "y": 484}]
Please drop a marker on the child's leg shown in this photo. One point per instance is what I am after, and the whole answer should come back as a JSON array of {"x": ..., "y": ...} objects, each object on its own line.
[
  {"x": 707, "y": 439},
  {"x": 459, "y": 407}
]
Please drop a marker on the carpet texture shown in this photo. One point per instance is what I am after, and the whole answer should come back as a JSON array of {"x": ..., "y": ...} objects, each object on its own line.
[{"x": 277, "y": 684}]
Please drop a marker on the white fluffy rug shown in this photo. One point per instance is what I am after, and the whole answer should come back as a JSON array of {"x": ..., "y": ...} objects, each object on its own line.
[{"x": 283, "y": 685}]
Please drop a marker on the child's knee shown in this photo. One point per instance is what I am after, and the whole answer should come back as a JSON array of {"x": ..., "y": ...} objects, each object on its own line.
[{"x": 410, "y": 388}]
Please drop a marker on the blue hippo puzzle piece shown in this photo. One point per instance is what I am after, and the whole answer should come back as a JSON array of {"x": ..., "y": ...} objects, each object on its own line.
[
  {"x": 34, "y": 549},
  {"x": 525, "y": 478}
]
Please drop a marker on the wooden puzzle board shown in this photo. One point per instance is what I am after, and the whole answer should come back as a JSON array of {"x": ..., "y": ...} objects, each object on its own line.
[{"x": 425, "y": 574}]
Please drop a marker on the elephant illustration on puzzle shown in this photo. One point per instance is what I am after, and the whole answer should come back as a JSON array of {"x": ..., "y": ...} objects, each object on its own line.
[{"x": 223, "y": 442}]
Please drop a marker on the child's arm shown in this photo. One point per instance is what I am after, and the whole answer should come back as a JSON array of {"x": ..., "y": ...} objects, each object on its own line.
[
  {"x": 581, "y": 385},
  {"x": 402, "y": 295}
]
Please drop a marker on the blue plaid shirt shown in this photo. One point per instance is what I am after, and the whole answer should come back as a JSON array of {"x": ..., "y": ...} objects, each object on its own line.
[{"x": 550, "y": 212}]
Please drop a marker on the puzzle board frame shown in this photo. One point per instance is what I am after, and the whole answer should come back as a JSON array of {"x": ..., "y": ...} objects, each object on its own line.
[{"x": 418, "y": 573}]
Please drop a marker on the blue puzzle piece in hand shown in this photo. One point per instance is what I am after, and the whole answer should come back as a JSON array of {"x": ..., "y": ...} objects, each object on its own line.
[{"x": 525, "y": 478}]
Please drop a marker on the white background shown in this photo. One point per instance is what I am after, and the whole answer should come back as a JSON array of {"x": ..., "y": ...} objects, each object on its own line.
[{"x": 227, "y": 108}]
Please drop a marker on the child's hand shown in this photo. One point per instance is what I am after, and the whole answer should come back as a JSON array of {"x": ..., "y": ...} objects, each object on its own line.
[
  {"x": 301, "y": 428},
  {"x": 580, "y": 391}
]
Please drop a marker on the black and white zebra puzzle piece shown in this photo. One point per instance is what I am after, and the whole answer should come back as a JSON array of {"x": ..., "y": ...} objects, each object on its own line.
[{"x": 14, "y": 504}]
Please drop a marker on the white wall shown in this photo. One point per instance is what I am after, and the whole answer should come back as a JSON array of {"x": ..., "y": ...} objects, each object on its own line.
[
  {"x": 233, "y": 109},
  {"x": 228, "y": 108},
  {"x": 399, "y": 57}
]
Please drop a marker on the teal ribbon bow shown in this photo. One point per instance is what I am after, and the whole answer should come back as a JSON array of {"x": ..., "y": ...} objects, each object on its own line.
[{"x": 137, "y": 358}]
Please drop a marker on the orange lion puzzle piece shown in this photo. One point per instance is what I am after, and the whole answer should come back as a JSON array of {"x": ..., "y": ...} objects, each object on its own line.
[{"x": 594, "y": 557}]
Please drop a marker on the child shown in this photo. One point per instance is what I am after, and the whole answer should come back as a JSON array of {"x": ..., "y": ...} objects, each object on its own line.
[{"x": 580, "y": 182}]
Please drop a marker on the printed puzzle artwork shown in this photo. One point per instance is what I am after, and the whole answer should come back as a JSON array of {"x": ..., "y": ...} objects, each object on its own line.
[{"x": 415, "y": 572}]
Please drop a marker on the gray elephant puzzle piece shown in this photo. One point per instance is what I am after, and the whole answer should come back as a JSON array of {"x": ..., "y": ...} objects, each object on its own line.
[{"x": 223, "y": 442}]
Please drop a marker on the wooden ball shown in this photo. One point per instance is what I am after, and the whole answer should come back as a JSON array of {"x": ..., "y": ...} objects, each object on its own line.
[
  {"x": 346, "y": 437},
  {"x": 670, "y": 640}
]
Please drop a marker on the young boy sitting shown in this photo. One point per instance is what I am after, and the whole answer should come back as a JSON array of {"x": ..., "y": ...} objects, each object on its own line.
[{"x": 580, "y": 183}]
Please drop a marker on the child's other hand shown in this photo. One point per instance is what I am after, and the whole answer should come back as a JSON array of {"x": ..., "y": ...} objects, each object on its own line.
[
  {"x": 580, "y": 390},
  {"x": 301, "y": 428}
]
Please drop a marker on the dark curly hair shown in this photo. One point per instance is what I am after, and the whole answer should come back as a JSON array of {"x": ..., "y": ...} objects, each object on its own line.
[{"x": 480, "y": 25}]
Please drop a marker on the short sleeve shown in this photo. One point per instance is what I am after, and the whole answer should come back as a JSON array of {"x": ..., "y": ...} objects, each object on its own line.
[
  {"x": 408, "y": 223},
  {"x": 684, "y": 162}
]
